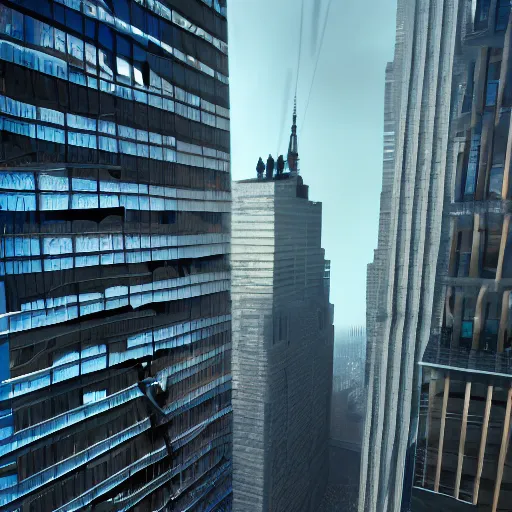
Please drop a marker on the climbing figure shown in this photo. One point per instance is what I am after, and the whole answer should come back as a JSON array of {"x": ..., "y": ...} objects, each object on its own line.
[
  {"x": 260, "y": 168},
  {"x": 270, "y": 167}
]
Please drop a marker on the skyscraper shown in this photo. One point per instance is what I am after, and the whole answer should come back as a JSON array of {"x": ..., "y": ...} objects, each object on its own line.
[
  {"x": 282, "y": 343},
  {"x": 115, "y": 379},
  {"x": 439, "y": 377},
  {"x": 401, "y": 279},
  {"x": 463, "y": 455}
]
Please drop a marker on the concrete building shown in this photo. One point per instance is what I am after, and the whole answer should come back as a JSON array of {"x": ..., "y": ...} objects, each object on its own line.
[
  {"x": 349, "y": 360},
  {"x": 401, "y": 279},
  {"x": 348, "y": 404},
  {"x": 439, "y": 378},
  {"x": 115, "y": 343},
  {"x": 282, "y": 343}
]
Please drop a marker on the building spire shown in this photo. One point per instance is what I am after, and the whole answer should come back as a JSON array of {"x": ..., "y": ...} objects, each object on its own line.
[{"x": 293, "y": 149}]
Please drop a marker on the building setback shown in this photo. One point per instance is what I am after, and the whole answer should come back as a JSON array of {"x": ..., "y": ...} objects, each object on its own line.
[
  {"x": 282, "y": 345},
  {"x": 439, "y": 377},
  {"x": 115, "y": 342}
]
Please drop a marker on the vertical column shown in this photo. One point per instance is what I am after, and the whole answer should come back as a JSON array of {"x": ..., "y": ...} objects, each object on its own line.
[
  {"x": 453, "y": 251},
  {"x": 483, "y": 442},
  {"x": 477, "y": 324},
  {"x": 503, "y": 452},
  {"x": 475, "y": 247},
  {"x": 441, "y": 432},
  {"x": 508, "y": 161},
  {"x": 462, "y": 443},
  {"x": 503, "y": 245},
  {"x": 457, "y": 317},
  {"x": 503, "y": 320},
  {"x": 480, "y": 84},
  {"x": 431, "y": 398}
]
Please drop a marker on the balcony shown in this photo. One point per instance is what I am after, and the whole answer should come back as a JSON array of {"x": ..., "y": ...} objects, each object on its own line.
[
  {"x": 460, "y": 359},
  {"x": 462, "y": 208}
]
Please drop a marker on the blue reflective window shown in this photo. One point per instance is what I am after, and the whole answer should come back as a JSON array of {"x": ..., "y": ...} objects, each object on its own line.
[
  {"x": 496, "y": 182},
  {"x": 482, "y": 14},
  {"x": 502, "y": 14},
  {"x": 122, "y": 10},
  {"x": 124, "y": 46},
  {"x": 167, "y": 33},
  {"x": 105, "y": 36},
  {"x": 492, "y": 93},
  {"x": 4, "y": 360},
  {"x": 153, "y": 27},
  {"x": 58, "y": 13},
  {"x": 17, "y": 25},
  {"x": 139, "y": 54},
  {"x": 42, "y": 7},
  {"x": 30, "y": 30},
  {"x": 138, "y": 16},
  {"x": 474, "y": 157},
  {"x": 74, "y": 20},
  {"x": 90, "y": 28}
]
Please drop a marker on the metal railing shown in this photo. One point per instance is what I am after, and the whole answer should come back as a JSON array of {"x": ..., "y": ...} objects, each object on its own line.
[{"x": 478, "y": 361}]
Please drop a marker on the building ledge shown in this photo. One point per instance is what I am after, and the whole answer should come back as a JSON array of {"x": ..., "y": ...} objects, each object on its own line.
[{"x": 462, "y": 208}]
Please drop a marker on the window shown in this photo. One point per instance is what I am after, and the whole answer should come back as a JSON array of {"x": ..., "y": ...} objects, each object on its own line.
[
  {"x": 491, "y": 251},
  {"x": 37, "y": 33},
  {"x": 90, "y": 28},
  {"x": 472, "y": 170},
  {"x": 90, "y": 58},
  {"x": 122, "y": 10},
  {"x": 123, "y": 70},
  {"x": 58, "y": 13},
  {"x": 502, "y": 14},
  {"x": 94, "y": 396},
  {"x": 153, "y": 26},
  {"x": 105, "y": 37},
  {"x": 106, "y": 64},
  {"x": 493, "y": 82},
  {"x": 74, "y": 21},
  {"x": 76, "y": 51},
  {"x": 123, "y": 46},
  {"x": 482, "y": 14},
  {"x": 495, "y": 182},
  {"x": 168, "y": 217}
]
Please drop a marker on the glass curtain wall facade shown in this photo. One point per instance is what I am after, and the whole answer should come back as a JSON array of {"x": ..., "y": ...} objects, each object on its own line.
[
  {"x": 115, "y": 343},
  {"x": 463, "y": 452}
]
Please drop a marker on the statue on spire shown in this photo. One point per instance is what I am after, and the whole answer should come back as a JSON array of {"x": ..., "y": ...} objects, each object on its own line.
[
  {"x": 293, "y": 150},
  {"x": 280, "y": 166},
  {"x": 260, "y": 168},
  {"x": 270, "y": 167}
]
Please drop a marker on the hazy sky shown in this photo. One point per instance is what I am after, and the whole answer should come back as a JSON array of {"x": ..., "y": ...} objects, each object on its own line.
[{"x": 340, "y": 141}]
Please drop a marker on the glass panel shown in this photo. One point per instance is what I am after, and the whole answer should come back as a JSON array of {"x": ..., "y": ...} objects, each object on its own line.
[{"x": 495, "y": 182}]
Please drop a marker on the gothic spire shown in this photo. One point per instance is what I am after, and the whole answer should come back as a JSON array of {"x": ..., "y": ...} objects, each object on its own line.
[{"x": 293, "y": 150}]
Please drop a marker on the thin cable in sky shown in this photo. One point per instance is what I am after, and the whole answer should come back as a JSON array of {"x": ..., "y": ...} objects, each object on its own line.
[
  {"x": 317, "y": 61},
  {"x": 286, "y": 97},
  {"x": 301, "y": 31},
  {"x": 289, "y": 79}
]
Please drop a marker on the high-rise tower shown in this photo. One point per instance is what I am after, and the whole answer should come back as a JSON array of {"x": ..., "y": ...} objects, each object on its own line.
[
  {"x": 401, "y": 279},
  {"x": 115, "y": 379},
  {"x": 282, "y": 345},
  {"x": 439, "y": 406}
]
